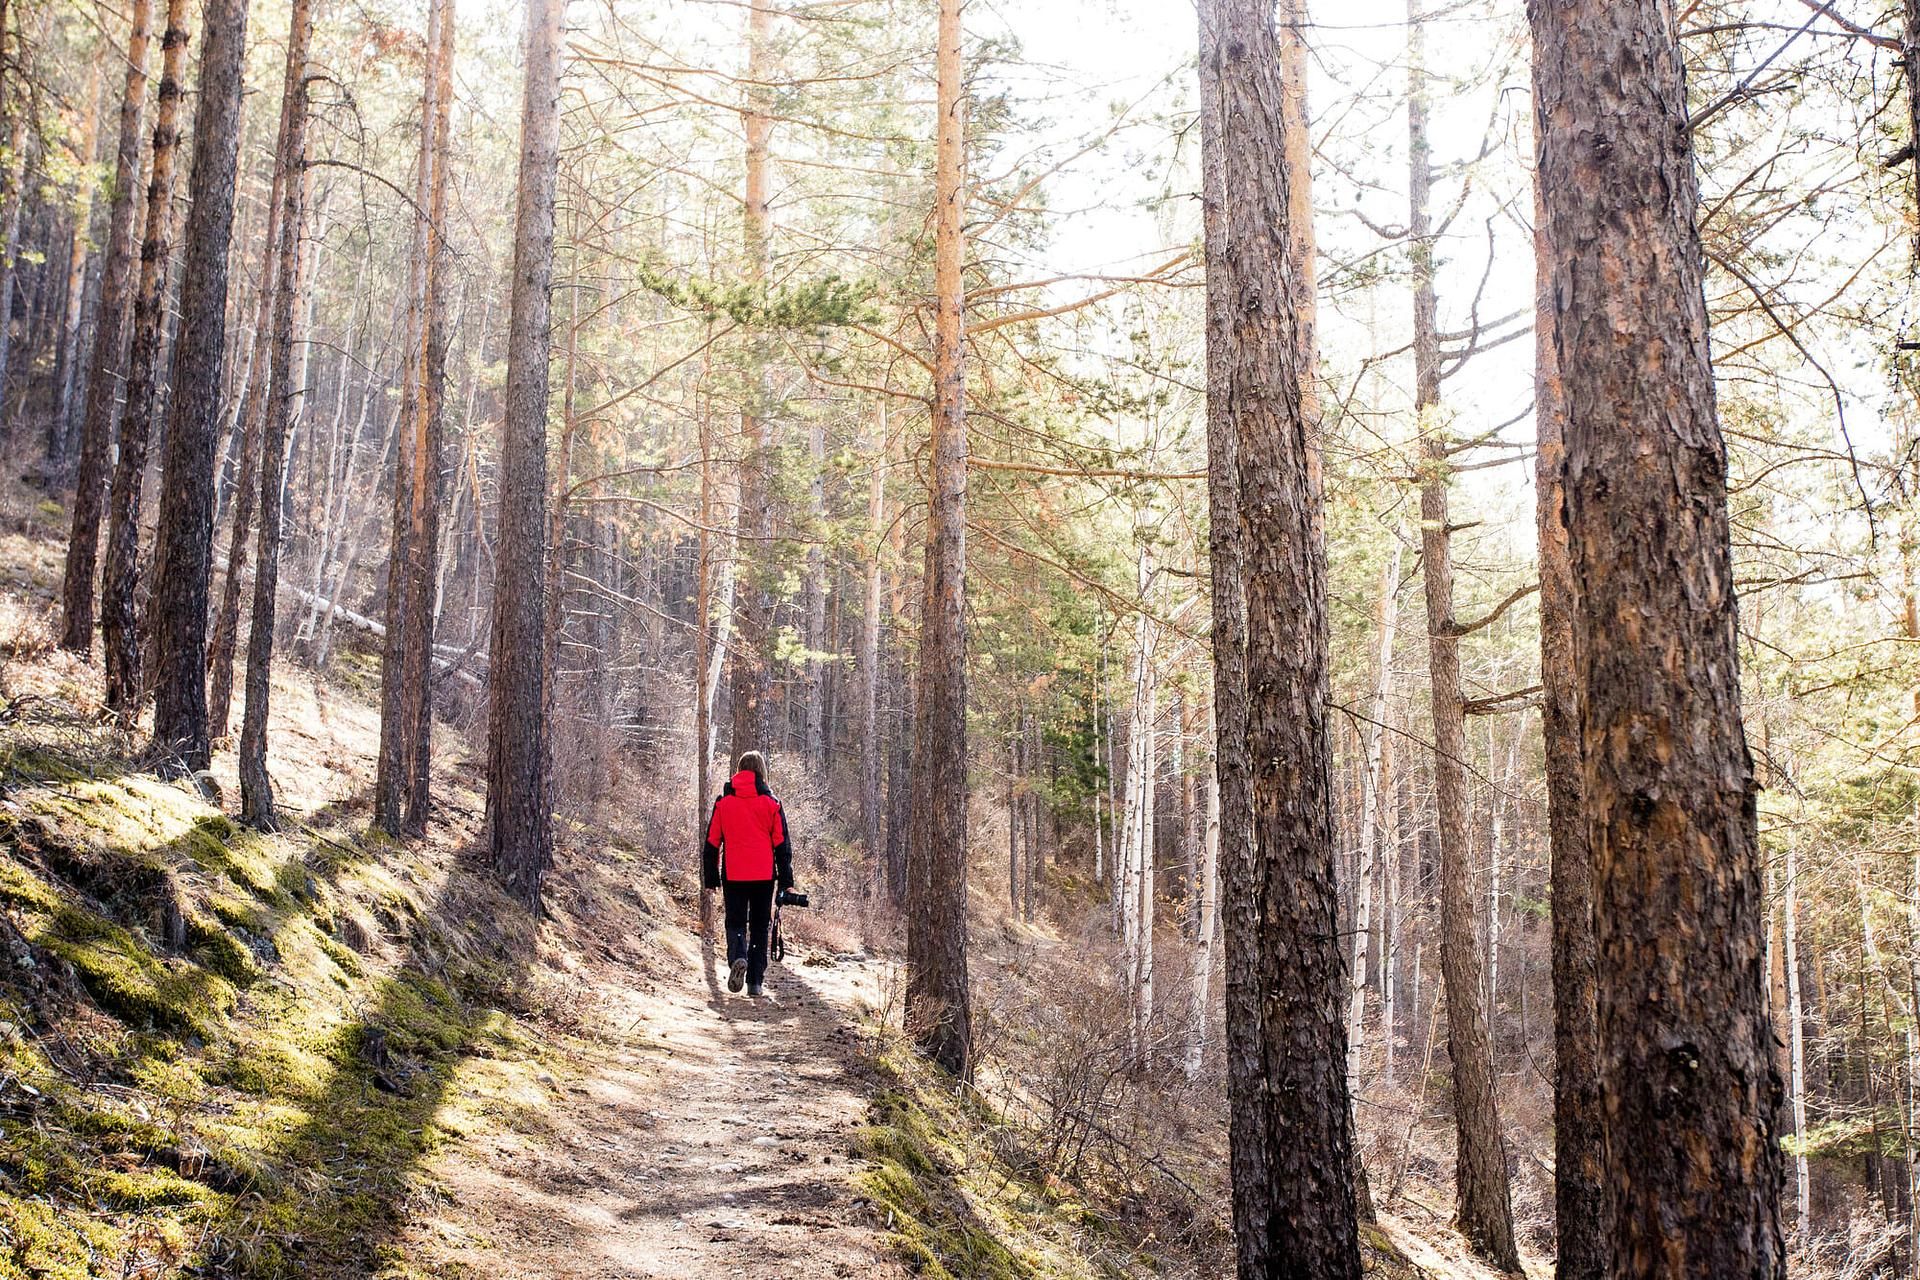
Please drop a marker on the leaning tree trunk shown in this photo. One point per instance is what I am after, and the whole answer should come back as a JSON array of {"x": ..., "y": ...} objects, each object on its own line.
[
  {"x": 1579, "y": 1195},
  {"x": 184, "y": 554},
  {"x": 1482, "y": 1192},
  {"x": 1686, "y": 1048},
  {"x": 520, "y": 829},
  {"x": 119, "y": 622},
  {"x": 1293, "y": 1168},
  {"x": 256, "y": 788},
  {"x": 109, "y": 347},
  {"x": 937, "y": 1010}
]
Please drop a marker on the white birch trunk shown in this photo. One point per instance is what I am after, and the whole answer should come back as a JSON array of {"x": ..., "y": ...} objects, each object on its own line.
[{"x": 1209, "y": 914}]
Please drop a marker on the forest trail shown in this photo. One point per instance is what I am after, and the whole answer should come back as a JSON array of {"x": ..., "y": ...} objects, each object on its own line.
[{"x": 710, "y": 1139}]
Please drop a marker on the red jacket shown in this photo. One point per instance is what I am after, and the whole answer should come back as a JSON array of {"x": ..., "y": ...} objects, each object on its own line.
[{"x": 752, "y": 828}]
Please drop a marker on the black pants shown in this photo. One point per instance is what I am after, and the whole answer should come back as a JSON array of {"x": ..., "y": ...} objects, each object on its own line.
[{"x": 749, "y": 915}]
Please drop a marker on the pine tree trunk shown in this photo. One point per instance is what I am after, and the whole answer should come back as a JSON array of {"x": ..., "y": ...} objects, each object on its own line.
[
  {"x": 183, "y": 556},
  {"x": 1796, "y": 1045},
  {"x": 937, "y": 1010},
  {"x": 251, "y": 427},
  {"x": 816, "y": 599},
  {"x": 1016, "y": 821},
  {"x": 429, "y": 441},
  {"x": 109, "y": 347},
  {"x": 703, "y": 661},
  {"x": 405, "y": 681},
  {"x": 1579, "y": 1194},
  {"x": 119, "y": 623},
  {"x": 520, "y": 831},
  {"x": 74, "y": 294},
  {"x": 872, "y": 756},
  {"x": 13, "y": 203},
  {"x": 1484, "y": 1202},
  {"x": 256, "y": 788},
  {"x": 1668, "y": 786},
  {"x": 1372, "y": 776},
  {"x": 1293, "y": 1167},
  {"x": 749, "y": 665},
  {"x": 1910, "y": 61}
]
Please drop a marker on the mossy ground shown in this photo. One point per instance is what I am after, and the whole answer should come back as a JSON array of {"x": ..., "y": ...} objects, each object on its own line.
[
  {"x": 223, "y": 1053},
  {"x": 955, "y": 1209},
  {"x": 960, "y": 1205}
]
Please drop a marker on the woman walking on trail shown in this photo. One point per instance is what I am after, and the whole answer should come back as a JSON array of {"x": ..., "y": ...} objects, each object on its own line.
[{"x": 748, "y": 854}]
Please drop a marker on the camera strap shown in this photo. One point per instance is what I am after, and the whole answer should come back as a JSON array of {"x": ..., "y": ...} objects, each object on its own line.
[{"x": 777, "y": 947}]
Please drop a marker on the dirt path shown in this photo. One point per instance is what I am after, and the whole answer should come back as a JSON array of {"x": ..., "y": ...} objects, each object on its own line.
[{"x": 709, "y": 1140}]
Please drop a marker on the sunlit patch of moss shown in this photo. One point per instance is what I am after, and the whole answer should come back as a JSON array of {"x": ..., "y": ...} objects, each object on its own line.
[
  {"x": 38, "y": 1240},
  {"x": 126, "y": 979},
  {"x": 217, "y": 949},
  {"x": 928, "y": 1178},
  {"x": 343, "y": 958},
  {"x": 252, "y": 1060}
]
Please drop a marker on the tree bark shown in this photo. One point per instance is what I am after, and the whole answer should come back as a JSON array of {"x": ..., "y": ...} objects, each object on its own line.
[
  {"x": 1484, "y": 1201},
  {"x": 1796, "y": 1052},
  {"x": 1293, "y": 1168},
  {"x": 1668, "y": 786},
  {"x": 1910, "y": 49},
  {"x": 74, "y": 294},
  {"x": 750, "y": 657},
  {"x": 119, "y": 622},
  {"x": 872, "y": 756},
  {"x": 109, "y": 347},
  {"x": 256, "y": 787},
  {"x": 1200, "y": 1008},
  {"x": 429, "y": 439},
  {"x": 1580, "y": 1209},
  {"x": 703, "y": 662},
  {"x": 401, "y": 792},
  {"x": 1136, "y": 848},
  {"x": 253, "y": 415},
  {"x": 520, "y": 831},
  {"x": 184, "y": 552},
  {"x": 937, "y": 1010},
  {"x": 1372, "y": 776},
  {"x": 816, "y": 670}
]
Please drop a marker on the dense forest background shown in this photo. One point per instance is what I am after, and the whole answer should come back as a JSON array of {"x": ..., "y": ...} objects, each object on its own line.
[{"x": 718, "y": 484}]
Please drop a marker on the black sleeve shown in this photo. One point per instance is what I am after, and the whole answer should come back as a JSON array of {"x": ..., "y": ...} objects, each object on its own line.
[
  {"x": 710, "y": 854},
  {"x": 783, "y": 852}
]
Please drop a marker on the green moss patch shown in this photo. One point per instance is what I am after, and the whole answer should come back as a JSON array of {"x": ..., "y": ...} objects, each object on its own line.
[
  {"x": 953, "y": 1208},
  {"x": 235, "y": 1092}
]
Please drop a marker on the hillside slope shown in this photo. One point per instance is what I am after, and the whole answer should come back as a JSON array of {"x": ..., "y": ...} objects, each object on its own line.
[{"x": 320, "y": 1053}]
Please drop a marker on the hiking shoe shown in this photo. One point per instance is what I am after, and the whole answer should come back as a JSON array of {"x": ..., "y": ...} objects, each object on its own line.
[
  {"x": 756, "y": 990},
  {"x": 738, "y": 977}
]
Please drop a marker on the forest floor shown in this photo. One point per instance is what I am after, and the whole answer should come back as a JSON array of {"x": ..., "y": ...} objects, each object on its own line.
[
  {"x": 321, "y": 1053},
  {"x": 706, "y": 1138}
]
